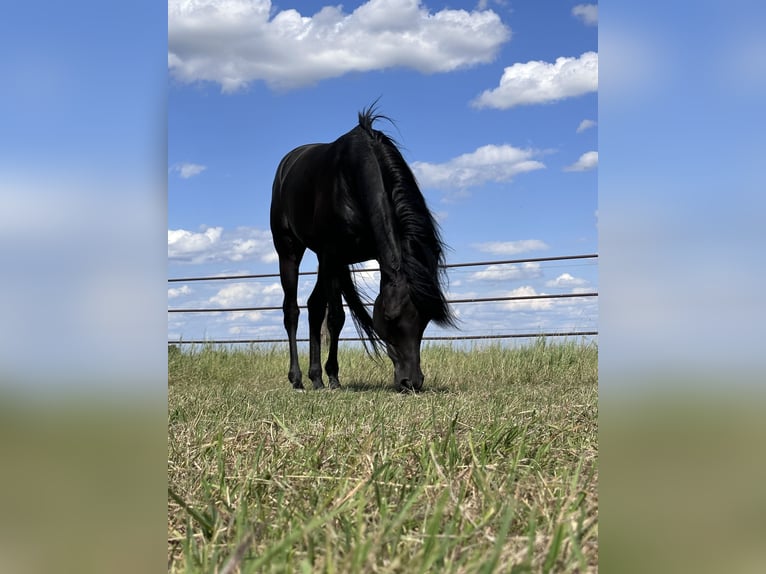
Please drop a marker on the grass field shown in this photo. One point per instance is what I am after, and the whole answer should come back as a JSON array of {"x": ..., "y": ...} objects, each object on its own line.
[{"x": 493, "y": 468}]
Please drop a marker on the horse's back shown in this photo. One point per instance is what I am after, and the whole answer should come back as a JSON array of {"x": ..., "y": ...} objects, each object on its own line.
[
  {"x": 302, "y": 156},
  {"x": 324, "y": 195}
]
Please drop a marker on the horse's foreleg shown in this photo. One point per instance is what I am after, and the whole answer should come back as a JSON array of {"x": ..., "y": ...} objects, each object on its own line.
[
  {"x": 317, "y": 305},
  {"x": 336, "y": 317},
  {"x": 288, "y": 273}
]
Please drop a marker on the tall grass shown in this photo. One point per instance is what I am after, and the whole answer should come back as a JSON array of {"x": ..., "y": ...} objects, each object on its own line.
[{"x": 491, "y": 469}]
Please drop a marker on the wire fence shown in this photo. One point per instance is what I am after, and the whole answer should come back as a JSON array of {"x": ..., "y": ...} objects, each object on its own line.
[
  {"x": 464, "y": 337},
  {"x": 355, "y": 270}
]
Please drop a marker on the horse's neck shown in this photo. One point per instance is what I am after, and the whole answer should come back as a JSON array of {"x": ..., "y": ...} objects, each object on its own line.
[
  {"x": 382, "y": 218},
  {"x": 390, "y": 273}
]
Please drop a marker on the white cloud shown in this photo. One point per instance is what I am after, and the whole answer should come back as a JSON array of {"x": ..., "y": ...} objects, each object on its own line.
[
  {"x": 566, "y": 280},
  {"x": 245, "y": 325},
  {"x": 528, "y": 305},
  {"x": 187, "y": 170},
  {"x": 213, "y": 245},
  {"x": 587, "y": 162},
  {"x": 247, "y": 294},
  {"x": 511, "y": 247},
  {"x": 529, "y": 270},
  {"x": 539, "y": 82},
  {"x": 497, "y": 163},
  {"x": 235, "y": 42},
  {"x": 585, "y": 125},
  {"x": 174, "y": 292},
  {"x": 243, "y": 315},
  {"x": 588, "y": 13},
  {"x": 184, "y": 244}
]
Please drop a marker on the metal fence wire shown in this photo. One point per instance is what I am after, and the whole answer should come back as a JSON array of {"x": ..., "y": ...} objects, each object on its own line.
[{"x": 425, "y": 338}]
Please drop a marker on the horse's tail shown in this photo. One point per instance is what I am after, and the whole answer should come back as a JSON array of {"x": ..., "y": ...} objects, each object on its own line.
[{"x": 362, "y": 319}]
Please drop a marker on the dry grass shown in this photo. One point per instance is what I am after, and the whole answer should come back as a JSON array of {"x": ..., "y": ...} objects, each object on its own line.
[{"x": 492, "y": 469}]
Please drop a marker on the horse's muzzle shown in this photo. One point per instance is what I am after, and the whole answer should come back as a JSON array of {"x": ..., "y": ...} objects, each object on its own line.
[{"x": 410, "y": 385}]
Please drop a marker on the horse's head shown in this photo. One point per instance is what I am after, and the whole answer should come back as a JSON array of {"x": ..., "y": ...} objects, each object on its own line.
[{"x": 400, "y": 324}]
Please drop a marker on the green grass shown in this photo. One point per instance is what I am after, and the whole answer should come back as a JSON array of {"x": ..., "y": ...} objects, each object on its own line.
[{"x": 493, "y": 468}]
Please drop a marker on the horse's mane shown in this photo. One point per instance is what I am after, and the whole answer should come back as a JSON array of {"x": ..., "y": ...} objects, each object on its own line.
[{"x": 420, "y": 240}]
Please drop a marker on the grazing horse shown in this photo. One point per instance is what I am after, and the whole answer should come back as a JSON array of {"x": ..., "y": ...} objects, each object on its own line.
[{"x": 350, "y": 201}]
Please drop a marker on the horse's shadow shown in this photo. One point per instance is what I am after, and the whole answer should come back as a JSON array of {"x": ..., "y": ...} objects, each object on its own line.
[{"x": 368, "y": 387}]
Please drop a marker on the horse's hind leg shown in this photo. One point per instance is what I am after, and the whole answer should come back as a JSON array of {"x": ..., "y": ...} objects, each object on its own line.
[
  {"x": 288, "y": 273},
  {"x": 336, "y": 317},
  {"x": 317, "y": 305}
]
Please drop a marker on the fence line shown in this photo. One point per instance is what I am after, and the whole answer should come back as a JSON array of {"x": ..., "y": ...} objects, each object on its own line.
[
  {"x": 356, "y": 270},
  {"x": 450, "y": 301},
  {"x": 425, "y": 338}
]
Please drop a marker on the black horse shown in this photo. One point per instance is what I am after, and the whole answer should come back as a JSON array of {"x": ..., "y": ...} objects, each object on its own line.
[{"x": 349, "y": 201}]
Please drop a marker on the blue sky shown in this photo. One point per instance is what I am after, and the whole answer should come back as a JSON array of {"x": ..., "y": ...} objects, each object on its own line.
[
  {"x": 84, "y": 180},
  {"x": 495, "y": 107}
]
